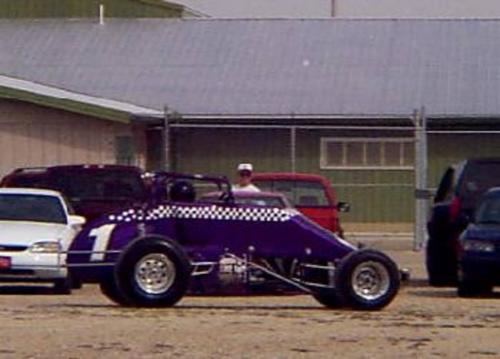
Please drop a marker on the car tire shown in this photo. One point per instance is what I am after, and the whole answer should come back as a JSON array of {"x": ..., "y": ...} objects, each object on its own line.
[
  {"x": 76, "y": 283},
  {"x": 329, "y": 298},
  {"x": 471, "y": 289},
  {"x": 366, "y": 280},
  {"x": 62, "y": 286},
  {"x": 110, "y": 290},
  {"x": 152, "y": 272},
  {"x": 441, "y": 264}
]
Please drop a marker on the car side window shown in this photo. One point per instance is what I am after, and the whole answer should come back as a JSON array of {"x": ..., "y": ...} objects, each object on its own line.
[
  {"x": 298, "y": 193},
  {"x": 445, "y": 188}
]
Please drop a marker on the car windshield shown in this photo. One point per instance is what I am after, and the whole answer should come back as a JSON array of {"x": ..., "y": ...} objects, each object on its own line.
[
  {"x": 489, "y": 211},
  {"x": 254, "y": 200},
  {"x": 476, "y": 180},
  {"x": 299, "y": 193},
  {"x": 33, "y": 208},
  {"x": 261, "y": 201},
  {"x": 102, "y": 185}
]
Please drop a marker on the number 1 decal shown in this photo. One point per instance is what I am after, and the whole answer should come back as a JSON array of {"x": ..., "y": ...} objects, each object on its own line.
[{"x": 102, "y": 236}]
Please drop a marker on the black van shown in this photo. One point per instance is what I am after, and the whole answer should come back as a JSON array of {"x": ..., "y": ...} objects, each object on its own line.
[
  {"x": 455, "y": 201},
  {"x": 92, "y": 190}
]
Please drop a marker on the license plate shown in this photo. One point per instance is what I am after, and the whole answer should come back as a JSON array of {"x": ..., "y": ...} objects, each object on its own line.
[{"x": 4, "y": 262}]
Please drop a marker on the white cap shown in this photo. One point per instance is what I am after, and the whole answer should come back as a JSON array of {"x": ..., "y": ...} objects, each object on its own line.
[{"x": 245, "y": 167}]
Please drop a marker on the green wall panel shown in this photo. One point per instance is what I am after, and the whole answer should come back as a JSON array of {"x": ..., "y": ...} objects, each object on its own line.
[
  {"x": 447, "y": 149},
  {"x": 220, "y": 151},
  {"x": 375, "y": 196},
  {"x": 383, "y": 196},
  {"x": 87, "y": 8}
]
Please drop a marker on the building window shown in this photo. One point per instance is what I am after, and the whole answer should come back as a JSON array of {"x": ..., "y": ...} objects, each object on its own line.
[{"x": 367, "y": 153}]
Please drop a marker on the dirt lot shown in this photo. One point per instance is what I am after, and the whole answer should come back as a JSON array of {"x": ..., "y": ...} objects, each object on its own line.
[{"x": 422, "y": 322}]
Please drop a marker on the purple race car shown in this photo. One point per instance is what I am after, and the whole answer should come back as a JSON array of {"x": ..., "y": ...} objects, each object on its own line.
[{"x": 150, "y": 256}]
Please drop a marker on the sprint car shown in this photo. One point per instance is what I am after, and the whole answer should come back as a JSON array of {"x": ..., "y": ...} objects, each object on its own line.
[{"x": 152, "y": 255}]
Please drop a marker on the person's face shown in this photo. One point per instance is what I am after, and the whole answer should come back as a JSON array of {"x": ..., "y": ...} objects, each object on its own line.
[{"x": 245, "y": 177}]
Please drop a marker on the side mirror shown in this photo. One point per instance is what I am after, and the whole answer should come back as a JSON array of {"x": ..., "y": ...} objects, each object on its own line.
[
  {"x": 343, "y": 207},
  {"x": 74, "y": 220}
]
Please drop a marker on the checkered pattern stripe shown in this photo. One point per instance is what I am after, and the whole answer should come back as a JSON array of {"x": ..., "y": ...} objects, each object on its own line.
[{"x": 252, "y": 214}]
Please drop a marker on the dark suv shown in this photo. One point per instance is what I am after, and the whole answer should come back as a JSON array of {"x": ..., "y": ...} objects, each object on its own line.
[
  {"x": 455, "y": 201},
  {"x": 91, "y": 189}
]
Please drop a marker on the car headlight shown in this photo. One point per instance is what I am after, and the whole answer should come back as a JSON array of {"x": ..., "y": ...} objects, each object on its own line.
[
  {"x": 471, "y": 245},
  {"x": 45, "y": 247}
]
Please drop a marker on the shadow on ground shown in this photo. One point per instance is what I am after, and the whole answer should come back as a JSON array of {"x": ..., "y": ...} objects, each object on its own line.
[{"x": 26, "y": 289}]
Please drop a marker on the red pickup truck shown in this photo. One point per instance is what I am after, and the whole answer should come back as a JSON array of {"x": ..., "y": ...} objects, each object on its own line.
[{"x": 313, "y": 195}]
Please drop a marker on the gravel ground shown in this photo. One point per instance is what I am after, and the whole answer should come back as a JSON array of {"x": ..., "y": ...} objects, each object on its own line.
[{"x": 422, "y": 322}]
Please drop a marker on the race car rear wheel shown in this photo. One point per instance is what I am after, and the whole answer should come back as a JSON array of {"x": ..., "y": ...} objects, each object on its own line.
[
  {"x": 367, "y": 280},
  {"x": 152, "y": 272},
  {"x": 109, "y": 288},
  {"x": 329, "y": 298}
]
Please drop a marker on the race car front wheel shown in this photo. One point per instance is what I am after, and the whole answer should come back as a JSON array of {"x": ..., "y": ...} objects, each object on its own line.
[
  {"x": 366, "y": 280},
  {"x": 152, "y": 272}
]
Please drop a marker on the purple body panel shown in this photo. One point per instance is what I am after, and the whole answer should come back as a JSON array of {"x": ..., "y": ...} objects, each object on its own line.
[{"x": 206, "y": 232}]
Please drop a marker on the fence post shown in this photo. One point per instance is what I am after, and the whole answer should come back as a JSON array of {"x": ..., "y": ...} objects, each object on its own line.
[
  {"x": 293, "y": 148},
  {"x": 421, "y": 167},
  {"x": 166, "y": 139}
]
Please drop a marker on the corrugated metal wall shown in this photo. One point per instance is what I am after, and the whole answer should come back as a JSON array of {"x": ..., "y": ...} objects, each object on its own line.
[
  {"x": 449, "y": 148},
  {"x": 85, "y": 8},
  {"x": 381, "y": 197},
  {"x": 219, "y": 151},
  {"x": 375, "y": 196}
]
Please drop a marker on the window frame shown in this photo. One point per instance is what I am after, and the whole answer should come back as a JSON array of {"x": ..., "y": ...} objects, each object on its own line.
[{"x": 344, "y": 141}]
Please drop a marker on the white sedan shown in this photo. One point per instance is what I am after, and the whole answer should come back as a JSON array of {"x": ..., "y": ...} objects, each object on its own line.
[{"x": 36, "y": 229}]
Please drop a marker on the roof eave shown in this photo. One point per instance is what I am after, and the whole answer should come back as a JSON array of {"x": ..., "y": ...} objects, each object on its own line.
[
  {"x": 65, "y": 104},
  {"x": 48, "y": 96}
]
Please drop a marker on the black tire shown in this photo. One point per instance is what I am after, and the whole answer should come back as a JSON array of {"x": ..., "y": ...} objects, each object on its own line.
[
  {"x": 110, "y": 290},
  {"x": 441, "y": 253},
  {"x": 62, "y": 286},
  {"x": 366, "y": 280},
  {"x": 151, "y": 272},
  {"x": 329, "y": 298},
  {"x": 471, "y": 288},
  {"x": 76, "y": 283},
  {"x": 441, "y": 264}
]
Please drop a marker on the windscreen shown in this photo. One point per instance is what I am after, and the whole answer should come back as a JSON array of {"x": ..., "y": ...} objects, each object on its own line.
[
  {"x": 96, "y": 185},
  {"x": 33, "y": 208},
  {"x": 299, "y": 193},
  {"x": 266, "y": 201},
  {"x": 477, "y": 178},
  {"x": 489, "y": 211},
  {"x": 29, "y": 181}
]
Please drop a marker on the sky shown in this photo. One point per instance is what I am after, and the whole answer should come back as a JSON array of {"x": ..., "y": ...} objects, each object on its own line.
[
  {"x": 345, "y": 8},
  {"x": 261, "y": 8}
]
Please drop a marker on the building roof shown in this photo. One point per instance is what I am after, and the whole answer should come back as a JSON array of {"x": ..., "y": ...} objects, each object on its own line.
[
  {"x": 66, "y": 100},
  {"x": 265, "y": 67}
]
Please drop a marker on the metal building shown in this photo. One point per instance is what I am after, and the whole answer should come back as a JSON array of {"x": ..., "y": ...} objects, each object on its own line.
[{"x": 335, "y": 97}]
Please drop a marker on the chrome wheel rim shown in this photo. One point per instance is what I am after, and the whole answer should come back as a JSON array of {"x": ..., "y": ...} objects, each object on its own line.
[
  {"x": 154, "y": 273},
  {"x": 370, "y": 280}
]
